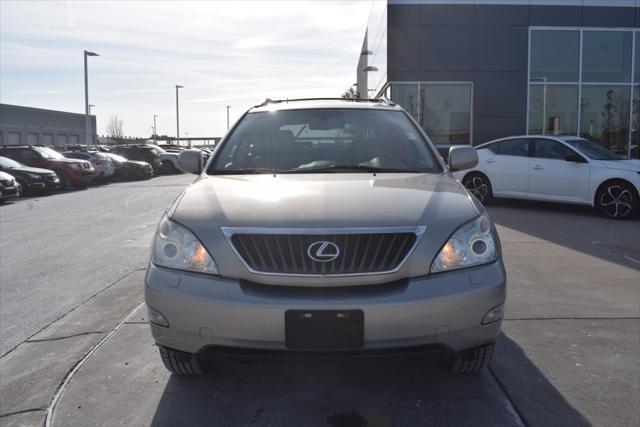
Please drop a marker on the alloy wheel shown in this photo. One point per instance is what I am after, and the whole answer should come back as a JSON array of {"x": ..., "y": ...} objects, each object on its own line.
[
  {"x": 616, "y": 201},
  {"x": 478, "y": 187}
]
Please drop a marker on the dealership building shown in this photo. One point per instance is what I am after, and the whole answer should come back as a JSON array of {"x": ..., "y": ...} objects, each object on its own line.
[
  {"x": 26, "y": 125},
  {"x": 473, "y": 70}
]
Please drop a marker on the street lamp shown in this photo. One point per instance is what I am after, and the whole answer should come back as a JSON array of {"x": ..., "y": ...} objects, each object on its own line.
[
  {"x": 155, "y": 130},
  {"x": 228, "y": 106},
  {"x": 177, "y": 116},
  {"x": 87, "y": 119}
]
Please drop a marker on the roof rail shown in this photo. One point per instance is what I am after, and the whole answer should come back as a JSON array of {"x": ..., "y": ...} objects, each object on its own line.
[{"x": 278, "y": 101}]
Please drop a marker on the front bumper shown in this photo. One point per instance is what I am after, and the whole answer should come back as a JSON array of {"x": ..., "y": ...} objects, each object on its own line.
[
  {"x": 441, "y": 309},
  {"x": 48, "y": 183},
  {"x": 9, "y": 192},
  {"x": 81, "y": 177}
]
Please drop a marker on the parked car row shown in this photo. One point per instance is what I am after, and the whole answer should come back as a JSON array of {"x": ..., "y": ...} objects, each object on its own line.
[
  {"x": 564, "y": 169},
  {"x": 37, "y": 170}
]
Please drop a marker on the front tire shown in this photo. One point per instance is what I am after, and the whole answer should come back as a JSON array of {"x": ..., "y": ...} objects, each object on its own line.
[
  {"x": 479, "y": 185},
  {"x": 64, "y": 180},
  {"x": 473, "y": 360},
  {"x": 180, "y": 362},
  {"x": 617, "y": 200}
]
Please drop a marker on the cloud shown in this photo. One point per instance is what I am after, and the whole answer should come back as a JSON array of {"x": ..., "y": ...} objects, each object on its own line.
[{"x": 224, "y": 53}]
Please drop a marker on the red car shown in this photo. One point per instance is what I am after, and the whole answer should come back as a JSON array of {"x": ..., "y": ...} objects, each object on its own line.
[{"x": 72, "y": 172}]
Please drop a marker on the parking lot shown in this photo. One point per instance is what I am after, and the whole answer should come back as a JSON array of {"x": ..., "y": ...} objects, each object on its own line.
[{"x": 76, "y": 349}]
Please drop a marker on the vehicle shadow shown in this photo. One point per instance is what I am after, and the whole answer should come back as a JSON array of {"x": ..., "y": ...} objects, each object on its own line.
[
  {"x": 370, "y": 392},
  {"x": 579, "y": 228}
]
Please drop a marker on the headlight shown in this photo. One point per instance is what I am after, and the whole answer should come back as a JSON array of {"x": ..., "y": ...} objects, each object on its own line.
[
  {"x": 472, "y": 244},
  {"x": 176, "y": 247},
  {"x": 34, "y": 176},
  {"x": 75, "y": 166}
]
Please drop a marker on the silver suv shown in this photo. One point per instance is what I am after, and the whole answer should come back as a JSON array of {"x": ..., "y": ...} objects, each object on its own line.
[{"x": 325, "y": 226}]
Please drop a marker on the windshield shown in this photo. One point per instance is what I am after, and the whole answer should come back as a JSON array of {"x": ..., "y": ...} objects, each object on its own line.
[
  {"x": 10, "y": 163},
  {"x": 156, "y": 149},
  {"x": 48, "y": 153},
  {"x": 325, "y": 140},
  {"x": 593, "y": 150}
]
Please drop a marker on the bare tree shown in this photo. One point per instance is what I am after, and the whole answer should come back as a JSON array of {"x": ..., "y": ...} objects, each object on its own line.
[
  {"x": 114, "y": 128},
  {"x": 350, "y": 93}
]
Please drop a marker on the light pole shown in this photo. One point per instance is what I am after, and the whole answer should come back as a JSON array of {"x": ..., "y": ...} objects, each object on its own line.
[
  {"x": 177, "y": 116},
  {"x": 228, "y": 107},
  {"x": 155, "y": 130},
  {"x": 87, "y": 118}
]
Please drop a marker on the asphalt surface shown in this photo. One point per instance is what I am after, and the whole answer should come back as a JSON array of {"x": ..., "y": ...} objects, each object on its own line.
[
  {"x": 569, "y": 354},
  {"x": 58, "y": 251}
]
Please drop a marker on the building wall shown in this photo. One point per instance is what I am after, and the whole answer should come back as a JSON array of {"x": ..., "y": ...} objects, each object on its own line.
[
  {"x": 486, "y": 43},
  {"x": 26, "y": 125}
]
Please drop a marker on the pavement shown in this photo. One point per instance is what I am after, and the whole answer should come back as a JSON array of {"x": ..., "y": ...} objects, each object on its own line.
[{"x": 77, "y": 348}]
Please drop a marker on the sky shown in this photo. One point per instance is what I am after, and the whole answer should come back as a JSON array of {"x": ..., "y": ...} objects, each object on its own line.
[{"x": 233, "y": 53}]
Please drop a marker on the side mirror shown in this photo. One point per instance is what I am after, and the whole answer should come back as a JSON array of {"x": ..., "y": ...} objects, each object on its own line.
[
  {"x": 190, "y": 161},
  {"x": 462, "y": 157},
  {"x": 573, "y": 157}
]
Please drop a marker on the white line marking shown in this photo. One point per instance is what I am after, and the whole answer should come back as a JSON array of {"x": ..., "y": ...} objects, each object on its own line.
[
  {"x": 632, "y": 259},
  {"x": 76, "y": 368}
]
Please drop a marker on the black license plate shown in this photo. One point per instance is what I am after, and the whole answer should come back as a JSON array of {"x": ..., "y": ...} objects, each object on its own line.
[{"x": 324, "y": 329}]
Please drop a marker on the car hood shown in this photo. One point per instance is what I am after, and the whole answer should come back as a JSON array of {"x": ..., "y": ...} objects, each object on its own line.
[
  {"x": 136, "y": 163},
  {"x": 325, "y": 200},
  {"x": 29, "y": 169},
  {"x": 5, "y": 176},
  {"x": 68, "y": 161},
  {"x": 167, "y": 156},
  {"x": 628, "y": 165},
  {"x": 436, "y": 201}
]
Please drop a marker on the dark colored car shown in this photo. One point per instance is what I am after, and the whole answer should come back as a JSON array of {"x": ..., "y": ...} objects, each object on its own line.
[
  {"x": 141, "y": 153},
  {"x": 8, "y": 187},
  {"x": 32, "y": 180},
  {"x": 78, "y": 173},
  {"x": 127, "y": 169}
]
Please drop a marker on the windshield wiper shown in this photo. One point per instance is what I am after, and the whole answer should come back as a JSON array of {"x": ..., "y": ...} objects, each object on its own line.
[
  {"x": 246, "y": 171},
  {"x": 341, "y": 168}
]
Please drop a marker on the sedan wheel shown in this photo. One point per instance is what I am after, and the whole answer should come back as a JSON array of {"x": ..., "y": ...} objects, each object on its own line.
[
  {"x": 617, "y": 200},
  {"x": 479, "y": 186}
]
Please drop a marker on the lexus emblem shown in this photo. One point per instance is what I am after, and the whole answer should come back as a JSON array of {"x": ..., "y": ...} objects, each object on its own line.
[{"x": 323, "y": 251}]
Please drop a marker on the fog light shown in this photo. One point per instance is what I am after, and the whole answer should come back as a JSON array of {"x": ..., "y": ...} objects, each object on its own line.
[
  {"x": 493, "y": 315},
  {"x": 157, "y": 318}
]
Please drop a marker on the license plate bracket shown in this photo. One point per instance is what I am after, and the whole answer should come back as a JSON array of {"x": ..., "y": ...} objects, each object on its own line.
[{"x": 329, "y": 330}]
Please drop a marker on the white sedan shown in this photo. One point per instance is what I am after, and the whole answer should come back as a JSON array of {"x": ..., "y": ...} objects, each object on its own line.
[{"x": 555, "y": 168}]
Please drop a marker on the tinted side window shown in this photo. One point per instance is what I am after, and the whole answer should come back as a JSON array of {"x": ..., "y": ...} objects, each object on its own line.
[
  {"x": 27, "y": 156},
  {"x": 494, "y": 148},
  {"x": 515, "y": 147},
  {"x": 548, "y": 149}
]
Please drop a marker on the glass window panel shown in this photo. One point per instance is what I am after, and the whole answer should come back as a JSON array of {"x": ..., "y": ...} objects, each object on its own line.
[
  {"x": 636, "y": 73},
  {"x": 635, "y": 128},
  {"x": 445, "y": 112},
  {"x": 605, "y": 116},
  {"x": 406, "y": 96},
  {"x": 548, "y": 149},
  {"x": 555, "y": 55},
  {"x": 515, "y": 147},
  {"x": 606, "y": 56},
  {"x": 553, "y": 109}
]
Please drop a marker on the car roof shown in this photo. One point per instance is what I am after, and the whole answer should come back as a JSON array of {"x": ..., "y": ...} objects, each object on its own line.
[
  {"x": 564, "y": 138},
  {"x": 312, "y": 103}
]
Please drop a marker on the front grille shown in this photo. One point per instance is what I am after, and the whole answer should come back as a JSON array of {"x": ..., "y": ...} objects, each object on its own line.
[{"x": 368, "y": 251}]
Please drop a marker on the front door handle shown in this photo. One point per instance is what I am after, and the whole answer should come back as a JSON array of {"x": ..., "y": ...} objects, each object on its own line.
[
  {"x": 489, "y": 161},
  {"x": 538, "y": 167}
]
